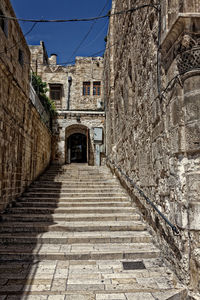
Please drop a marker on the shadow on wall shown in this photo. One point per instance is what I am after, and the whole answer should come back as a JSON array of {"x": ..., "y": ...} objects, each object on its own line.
[{"x": 27, "y": 238}]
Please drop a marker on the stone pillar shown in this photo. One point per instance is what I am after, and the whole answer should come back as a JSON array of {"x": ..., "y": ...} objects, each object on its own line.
[
  {"x": 188, "y": 65},
  {"x": 192, "y": 146}
]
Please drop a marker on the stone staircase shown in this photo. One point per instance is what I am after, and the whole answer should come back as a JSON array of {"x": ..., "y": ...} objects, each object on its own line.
[{"x": 75, "y": 234}]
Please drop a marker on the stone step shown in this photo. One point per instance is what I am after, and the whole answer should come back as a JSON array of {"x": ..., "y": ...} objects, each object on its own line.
[
  {"x": 73, "y": 200},
  {"x": 76, "y": 190},
  {"x": 30, "y": 292},
  {"x": 77, "y": 210},
  {"x": 109, "y": 251},
  {"x": 84, "y": 270},
  {"x": 75, "y": 195},
  {"x": 72, "y": 226},
  {"x": 67, "y": 239},
  {"x": 72, "y": 178},
  {"x": 68, "y": 217},
  {"x": 77, "y": 173},
  {"x": 89, "y": 290},
  {"x": 63, "y": 204},
  {"x": 61, "y": 184},
  {"x": 76, "y": 237},
  {"x": 80, "y": 171}
]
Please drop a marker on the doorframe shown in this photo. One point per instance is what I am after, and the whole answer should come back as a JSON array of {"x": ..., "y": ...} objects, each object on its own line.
[{"x": 72, "y": 129}]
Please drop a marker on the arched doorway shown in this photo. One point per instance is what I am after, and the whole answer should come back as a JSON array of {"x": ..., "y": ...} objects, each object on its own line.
[
  {"x": 77, "y": 148},
  {"x": 78, "y": 145}
]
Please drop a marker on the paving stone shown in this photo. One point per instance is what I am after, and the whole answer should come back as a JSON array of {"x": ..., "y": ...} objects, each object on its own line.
[
  {"x": 75, "y": 252},
  {"x": 170, "y": 294},
  {"x": 123, "y": 287},
  {"x": 59, "y": 285},
  {"x": 27, "y": 297},
  {"x": 86, "y": 276},
  {"x": 124, "y": 281},
  {"x": 111, "y": 296},
  {"x": 80, "y": 297},
  {"x": 139, "y": 296},
  {"x": 85, "y": 287},
  {"x": 36, "y": 287},
  {"x": 11, "y": 288},
  {"x": 56, "y": 297}
]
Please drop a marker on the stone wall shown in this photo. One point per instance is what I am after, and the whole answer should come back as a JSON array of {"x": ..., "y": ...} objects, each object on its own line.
[
  {"x": 74, "y": 110},
  {"x": 66, "y": 124},
  {"x": 25, "y": 142},
  {"x": 85, "y": 69},
  {"x": 153, "y": 121}
]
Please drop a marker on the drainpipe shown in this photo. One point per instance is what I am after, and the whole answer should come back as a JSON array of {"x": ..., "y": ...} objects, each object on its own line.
[{"x": 69, "y": 88}]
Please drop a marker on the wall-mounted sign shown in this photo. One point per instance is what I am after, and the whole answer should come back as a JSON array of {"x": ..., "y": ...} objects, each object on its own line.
[{"x": 98, "y": 134}]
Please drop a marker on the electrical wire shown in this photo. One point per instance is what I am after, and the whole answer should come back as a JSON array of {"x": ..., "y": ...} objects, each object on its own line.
[
  {"x": 97, "y": 36},
  {"x": 47, "y": 21},
  {"x": 73, "y": 61},
  {"x": 87, "y": 34},
  {"x": 81, "y": 19},
  {"x": 91, "y": 55}
]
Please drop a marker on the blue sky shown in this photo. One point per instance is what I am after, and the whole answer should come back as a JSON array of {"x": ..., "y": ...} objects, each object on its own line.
[{"x": 64, "y": 38}]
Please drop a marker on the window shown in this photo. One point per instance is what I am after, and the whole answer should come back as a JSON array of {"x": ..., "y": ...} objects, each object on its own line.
[
  {"x": 86, "y": 88},
  {"x": 55, "y": 92},
  {"x": 21, "y": 57},
  {"x": 97, "y": 88},
  {"x": 3, "y": 23}
]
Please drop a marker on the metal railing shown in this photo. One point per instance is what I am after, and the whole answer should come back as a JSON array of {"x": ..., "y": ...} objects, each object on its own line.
[
  {"x": 39, "y": 107},
  {"x": 173, "y": 227}
]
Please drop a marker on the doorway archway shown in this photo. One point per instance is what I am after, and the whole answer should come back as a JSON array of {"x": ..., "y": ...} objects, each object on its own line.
[
  {"x": 78, "y": 145},
  {"x": 77, "y": 148}
]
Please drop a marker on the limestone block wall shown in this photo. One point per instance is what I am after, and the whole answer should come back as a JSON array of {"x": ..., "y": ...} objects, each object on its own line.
[
  {"x": 25, "y": 142},
  {"x": 57, "y": 75},
  {"x": 39, "y": 58},
  {"x": 154, "y": 137},
  {"x": 71, "y": 78},
  {"x": 87, "y": 69}
]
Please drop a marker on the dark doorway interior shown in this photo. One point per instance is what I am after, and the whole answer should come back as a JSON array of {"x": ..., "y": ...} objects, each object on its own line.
[{"x": 77, "y": 145}]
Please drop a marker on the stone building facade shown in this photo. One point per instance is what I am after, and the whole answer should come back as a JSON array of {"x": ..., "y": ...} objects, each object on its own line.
[
  {"x": 25, "y": 141},
  {"x": 152, "y": 94},
  {"x": 77, "y": 93}
]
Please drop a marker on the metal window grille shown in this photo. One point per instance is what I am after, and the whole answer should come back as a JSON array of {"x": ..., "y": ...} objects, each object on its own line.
[
  {"x": 86, "y": 88},
  {"x": 97, "y": 88}
]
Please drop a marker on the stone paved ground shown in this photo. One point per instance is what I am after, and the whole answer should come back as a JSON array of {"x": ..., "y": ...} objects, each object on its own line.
[{"x": 67, "y": 237}]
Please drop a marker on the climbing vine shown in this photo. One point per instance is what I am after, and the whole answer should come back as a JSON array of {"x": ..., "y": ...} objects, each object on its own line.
[{"x": 41, "y": 89}]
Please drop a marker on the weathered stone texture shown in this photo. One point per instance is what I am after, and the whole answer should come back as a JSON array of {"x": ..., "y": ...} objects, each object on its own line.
[
  {"x": 155, "y": 140},
  {"x": 85, "y": 69},
  {"x": 66, "y": 124},
  {"x": 75, "y": 111},
  {"x": 25, "y": 142}
]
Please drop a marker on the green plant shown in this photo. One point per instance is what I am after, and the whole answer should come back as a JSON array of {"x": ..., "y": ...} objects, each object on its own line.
[{"x": 41, "y": 89}]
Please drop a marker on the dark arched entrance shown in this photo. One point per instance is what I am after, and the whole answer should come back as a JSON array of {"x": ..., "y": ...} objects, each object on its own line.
[{"x": 77, "y": 147}]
